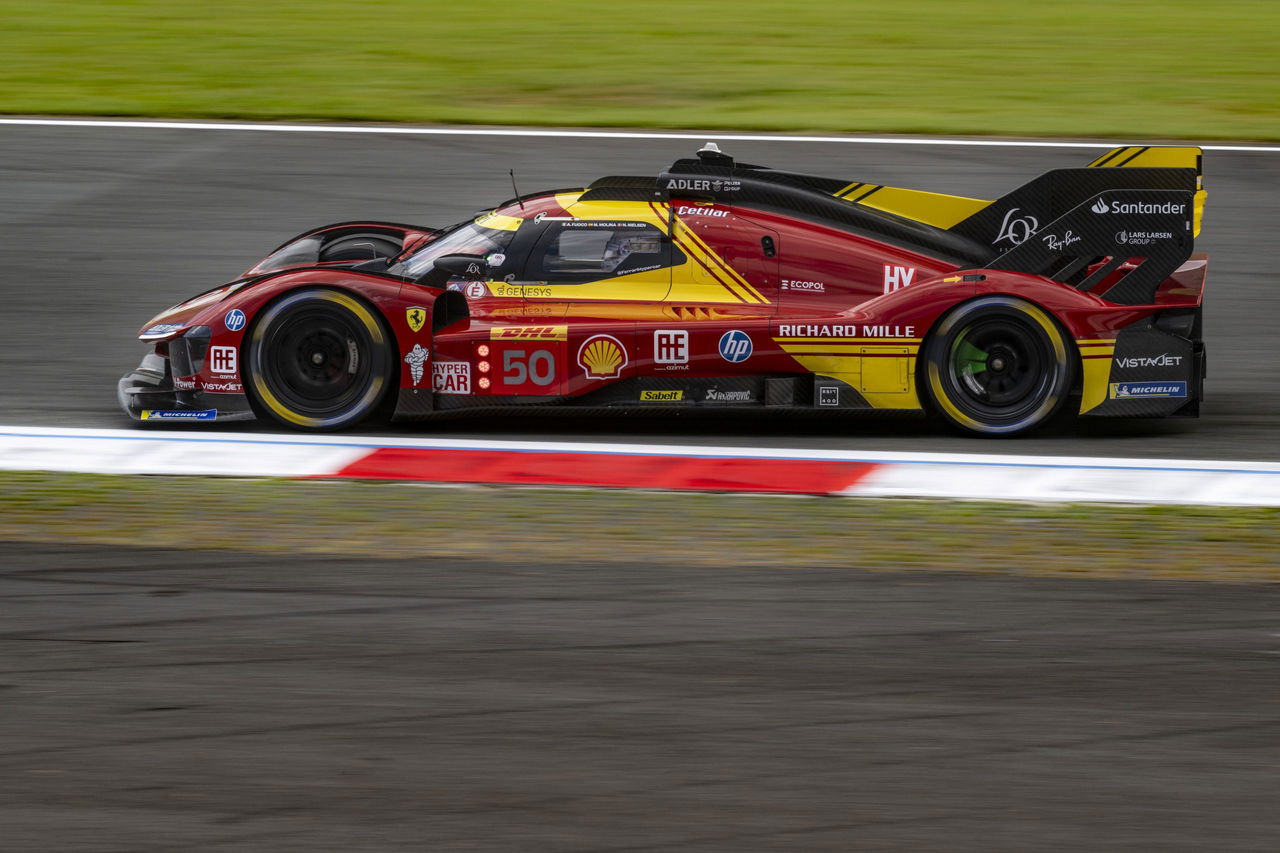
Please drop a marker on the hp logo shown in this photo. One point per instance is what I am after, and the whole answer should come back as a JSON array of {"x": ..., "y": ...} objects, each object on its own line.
[
  {"x": 234, "y": 320},
  {"x": 735, "y": 346}
]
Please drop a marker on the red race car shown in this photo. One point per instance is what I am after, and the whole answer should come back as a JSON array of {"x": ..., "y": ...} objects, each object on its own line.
[{"x": 721, "y": 284}]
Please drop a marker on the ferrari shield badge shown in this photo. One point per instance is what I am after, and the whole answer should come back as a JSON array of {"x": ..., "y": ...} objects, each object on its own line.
[{"x": 416, "y": 317}]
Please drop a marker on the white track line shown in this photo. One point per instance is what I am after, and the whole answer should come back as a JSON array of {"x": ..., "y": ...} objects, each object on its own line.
[
  {"x": 932, "y": 475},
  {"x": 195, "y": 439},
  {"x": 580, "y": 134}
]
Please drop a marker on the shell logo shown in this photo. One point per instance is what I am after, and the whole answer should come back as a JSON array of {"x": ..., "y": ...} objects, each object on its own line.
[{"x": 602, "y": 357}]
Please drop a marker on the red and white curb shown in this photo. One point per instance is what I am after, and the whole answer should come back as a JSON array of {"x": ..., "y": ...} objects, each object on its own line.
[{"x": 687, "y": 468}]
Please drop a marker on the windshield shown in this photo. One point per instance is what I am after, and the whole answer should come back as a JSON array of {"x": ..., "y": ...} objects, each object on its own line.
[{"x": 469, "y": 239}]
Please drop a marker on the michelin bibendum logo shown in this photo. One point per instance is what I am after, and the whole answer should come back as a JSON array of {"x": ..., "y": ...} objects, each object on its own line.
[
  {"x": 179, "y": 415},
  {"x": 1129, "y": 390},
  {"x": 1170, "y": 207}
]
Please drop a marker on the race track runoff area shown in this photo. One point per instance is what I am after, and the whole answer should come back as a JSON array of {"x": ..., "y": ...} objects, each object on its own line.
[{"x": 641, "y": 466}]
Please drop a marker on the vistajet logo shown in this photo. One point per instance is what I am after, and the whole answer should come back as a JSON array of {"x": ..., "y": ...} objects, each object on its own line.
[{"x": 1162, "y": 360}]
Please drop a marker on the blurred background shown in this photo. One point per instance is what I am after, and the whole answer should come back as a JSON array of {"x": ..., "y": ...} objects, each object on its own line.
[{"x": 1154, "y": 68}]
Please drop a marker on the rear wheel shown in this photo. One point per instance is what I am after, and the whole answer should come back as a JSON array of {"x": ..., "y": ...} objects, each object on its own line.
[
  {"x": 998, "y": 366},
  {"x": 318, "y": 359}
]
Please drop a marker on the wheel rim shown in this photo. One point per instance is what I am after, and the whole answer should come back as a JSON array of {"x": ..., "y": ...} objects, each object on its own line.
[
  {"x": 318, "y": 360},
  {"x": 998, "y": 368},
  {"x": 998, "y": 365}
]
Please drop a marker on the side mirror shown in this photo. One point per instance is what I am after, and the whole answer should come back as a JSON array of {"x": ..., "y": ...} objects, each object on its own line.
[
  {"x": 472, "y": 266},
  {"x": 445, "y": 267}
]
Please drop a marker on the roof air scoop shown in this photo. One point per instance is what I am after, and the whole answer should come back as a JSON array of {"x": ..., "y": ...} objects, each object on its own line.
[{"x": 711, "y": 154}]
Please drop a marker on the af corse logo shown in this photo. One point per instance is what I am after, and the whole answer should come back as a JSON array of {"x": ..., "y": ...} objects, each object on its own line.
[
  {"x": 222, "y": 360},
  {"x": 671, "y": 346}
]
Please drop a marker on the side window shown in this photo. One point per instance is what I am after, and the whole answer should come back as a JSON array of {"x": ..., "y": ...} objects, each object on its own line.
[{"x": 590, "y": 250}]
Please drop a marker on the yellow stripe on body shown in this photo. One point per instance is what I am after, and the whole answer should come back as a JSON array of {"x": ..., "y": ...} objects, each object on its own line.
[
  {"x": 1112, "y": 156},
  {"x": 849, "y": 340},
  {"x": 1161, "y": 156},
  {"x": 1095, "y": 372},
  {"x": 936, "y": 209},
  {"x": 1167, "y": 156},
  {"x": 739, "y": 285},
  {"x": 648, "y": 286},
  {"x": 567, "y": 200},
  {"x": 498, "y": 221},
  {"x": 629, "y": 211},
  {"x": 883, "y": 380}
]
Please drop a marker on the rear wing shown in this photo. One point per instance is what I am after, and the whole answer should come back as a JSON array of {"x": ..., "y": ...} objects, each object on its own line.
[
  {"x": 1120, "y": 245},
  {"x": 1117, "y": 228},
  {"x": 1163, "y": 157}
]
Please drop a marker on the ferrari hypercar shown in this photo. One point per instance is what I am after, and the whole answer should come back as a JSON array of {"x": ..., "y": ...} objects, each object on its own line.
[{"x": 719, "y": 284}]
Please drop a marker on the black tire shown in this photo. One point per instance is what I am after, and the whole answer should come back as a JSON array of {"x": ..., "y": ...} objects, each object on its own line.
[
  {"x": 997, "y": 366},
  {"x": 318, "y": 360},
  {"x": 359, "y": 247}
]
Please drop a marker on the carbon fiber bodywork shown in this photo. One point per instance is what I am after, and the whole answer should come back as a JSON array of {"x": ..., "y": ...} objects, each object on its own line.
[
  {"x": 1148, "y": 356},
  {"x": 149, "y": 388}
]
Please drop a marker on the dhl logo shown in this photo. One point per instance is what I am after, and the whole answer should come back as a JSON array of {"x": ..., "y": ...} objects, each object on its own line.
[{"x": 529, "y": 333}]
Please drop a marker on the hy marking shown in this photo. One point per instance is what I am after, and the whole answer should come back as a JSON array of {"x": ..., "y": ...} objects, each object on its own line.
[{"x": 580, "y": 134}]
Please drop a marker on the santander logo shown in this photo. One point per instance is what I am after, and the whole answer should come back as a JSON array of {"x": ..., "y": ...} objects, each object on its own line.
[{"x": 1100, "y": 206}]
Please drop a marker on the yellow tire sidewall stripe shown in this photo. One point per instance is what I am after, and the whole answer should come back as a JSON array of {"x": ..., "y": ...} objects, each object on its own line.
[
  {"x": 938, "y": 390},
  {"x": 272, "y": 402}
]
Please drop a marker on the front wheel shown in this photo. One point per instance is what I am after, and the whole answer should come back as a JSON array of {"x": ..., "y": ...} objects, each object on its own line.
[
  {"x": 318, "y": 359},
  {"x": 997, "y": 366}
]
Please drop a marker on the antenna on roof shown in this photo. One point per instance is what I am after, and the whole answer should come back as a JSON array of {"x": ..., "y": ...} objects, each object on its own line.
[{"x": 514, "y": 190}]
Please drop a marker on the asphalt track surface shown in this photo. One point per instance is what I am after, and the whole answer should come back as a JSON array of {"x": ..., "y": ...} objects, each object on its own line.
[
  {"x": 106, "y": 226},
  {"x": 155, "y": 700}
]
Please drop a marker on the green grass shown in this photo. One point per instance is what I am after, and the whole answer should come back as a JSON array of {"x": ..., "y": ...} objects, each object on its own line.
[
  {"x": 566, "y": 526},
  {"x": 1119, "y": 68}
]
